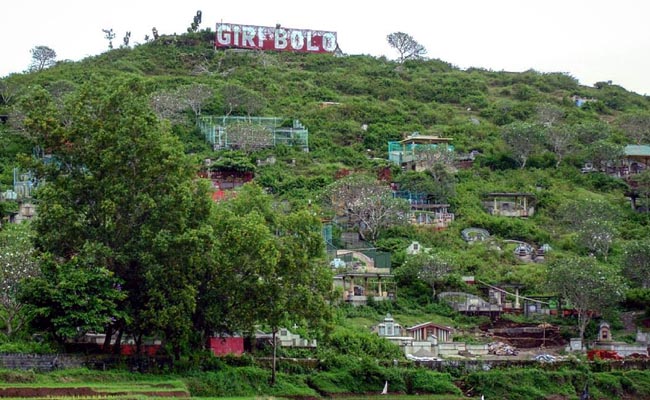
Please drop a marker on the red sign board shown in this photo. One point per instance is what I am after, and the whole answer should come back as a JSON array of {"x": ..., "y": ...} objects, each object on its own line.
[{"x": 278, "y": 38}]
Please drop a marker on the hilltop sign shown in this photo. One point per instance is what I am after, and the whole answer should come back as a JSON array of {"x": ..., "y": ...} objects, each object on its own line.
[{"x": 278, "y": 39}]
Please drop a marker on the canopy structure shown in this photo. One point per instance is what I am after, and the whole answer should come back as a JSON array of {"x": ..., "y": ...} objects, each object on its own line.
[
  {"x": 231, "y": 132},
  {"x": 405, "y": 150}
]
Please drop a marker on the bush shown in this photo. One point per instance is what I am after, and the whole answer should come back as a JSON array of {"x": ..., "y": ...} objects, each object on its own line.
[
  {"x": 522, "y": 383},
  {"x": 332, "y": 382},
  {"x": 23, "y": 347},
  {"x": 17, "y": 376},
  {"x": 424, "y": 381},
  {"x": 246, "y": 381},
  {"x": 362, "y": 344},
  {"x": 243, "y": 381}
]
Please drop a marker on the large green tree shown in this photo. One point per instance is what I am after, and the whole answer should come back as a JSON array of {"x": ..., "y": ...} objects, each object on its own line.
[
  {"x": 589, "y": 286},
  {"x": 71, "y": 298},
  {"x": 119, "y": 182},
  {"x": 269, "y": 268},
  {"x": 245, "y": 251}
]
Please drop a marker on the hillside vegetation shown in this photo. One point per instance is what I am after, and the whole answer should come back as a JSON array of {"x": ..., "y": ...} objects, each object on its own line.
[{"x": 525, "y": 133}]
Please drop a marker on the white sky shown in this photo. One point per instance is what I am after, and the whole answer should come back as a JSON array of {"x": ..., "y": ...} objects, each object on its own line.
[{"x": 592, "y": 40}]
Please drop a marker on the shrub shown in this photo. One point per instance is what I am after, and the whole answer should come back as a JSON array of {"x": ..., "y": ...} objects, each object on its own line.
[
  {"x": 332, "y": 382},
  {"x": 27, "y": 347},
  {"x": 362, "y": 344},
  {"x": 424, "y": 381},
  {"x": 17, "y": 376},
  {"x": 521, "y": 383}
]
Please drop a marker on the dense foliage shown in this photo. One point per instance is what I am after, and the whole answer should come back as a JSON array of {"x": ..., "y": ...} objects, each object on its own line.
[{"x": 123, "y": 214}]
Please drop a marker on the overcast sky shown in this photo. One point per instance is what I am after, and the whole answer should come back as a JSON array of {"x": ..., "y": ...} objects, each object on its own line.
[{"x": 591, "y": 40}]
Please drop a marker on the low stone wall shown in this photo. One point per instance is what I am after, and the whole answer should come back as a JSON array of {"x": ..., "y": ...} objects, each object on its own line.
[
  {"x": 478, "y": 349},
  {"x": 40, "y": 362},
  {"x": 421, "y": 347},
  {"x": 446, "y": 349},
  {"x": 50, "y": 362},
  {"x": 459, "y": 367}
]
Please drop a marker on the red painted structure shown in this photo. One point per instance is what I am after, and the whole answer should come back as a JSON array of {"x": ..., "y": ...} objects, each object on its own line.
[
  {"x": 130, "y": 349},
  {"x": 221, "y": 346},
  {"x": 275, "y": 39}
]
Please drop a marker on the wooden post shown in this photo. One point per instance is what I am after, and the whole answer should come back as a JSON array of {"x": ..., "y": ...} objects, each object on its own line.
[
  {"x": 525, "y": 206},
  {"x": 517, "y": 305}
]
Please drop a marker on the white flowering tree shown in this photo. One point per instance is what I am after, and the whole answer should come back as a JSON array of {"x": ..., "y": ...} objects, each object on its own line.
[
  {"x": 597, "y": 236},
  {"x": 427, "y": 267},
  {"x": 524, "y": 139},
  {"x": 636, "y": 263},
  {"x": 593, "y": 223},
  {"x": 17, "y": 262},
  {"x": 367, "y": 203}
]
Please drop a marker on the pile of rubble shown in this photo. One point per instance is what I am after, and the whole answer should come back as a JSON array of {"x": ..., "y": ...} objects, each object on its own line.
[{"x": 501, "y": 349}]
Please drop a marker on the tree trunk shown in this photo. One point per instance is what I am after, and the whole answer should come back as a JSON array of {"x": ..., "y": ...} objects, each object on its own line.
[
  {"x": 275, "y": 347},
  {"x": 583, "y": 320},
  {"x": 138, "y": 343},
  {"x": 361, "y": 234},
  {"x": 106, "y": 347},
  {"x": 177, "y": 351},
  {"x": 117, "y": 347}
]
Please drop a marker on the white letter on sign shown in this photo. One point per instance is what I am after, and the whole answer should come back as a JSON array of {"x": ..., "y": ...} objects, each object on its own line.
[
  {"x": 280, "y": 39},
  {"x": 261, "y": 37},
  {"x": 329, "y": 41},
  {"x": 248, "y": 35},
  {"x": 297, "y": 40},
  {"x": 236, "y": 30},
  {"x": 223, "y": 35},
  {"x": 310, "y": 44}
]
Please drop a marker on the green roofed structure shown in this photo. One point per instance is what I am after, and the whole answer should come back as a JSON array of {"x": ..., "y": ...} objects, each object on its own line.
[
  {"x": 251, "y": 133},
  {"x": 635, "y": 150},
  {"x": 638, "y": 153},
  {"x": 636, "y": 159},
  {"x": 415, "y": 149}
]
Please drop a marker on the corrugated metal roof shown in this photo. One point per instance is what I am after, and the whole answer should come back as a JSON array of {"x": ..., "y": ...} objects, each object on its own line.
[
  {"x": 425, "y": 139},
  {"x": 422, "y": 325}
]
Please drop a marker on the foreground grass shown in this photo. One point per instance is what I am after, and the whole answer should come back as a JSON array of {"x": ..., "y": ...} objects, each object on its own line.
[
  {"x": 111, "y": 380},
  {"x": 355, "y": 382},
  {"x": 82, "y": 383},
  {"x": 385, "y": 397}
]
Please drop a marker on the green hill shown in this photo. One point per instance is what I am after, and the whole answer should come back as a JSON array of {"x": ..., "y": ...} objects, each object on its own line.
[{"x": 527, "y": 132}]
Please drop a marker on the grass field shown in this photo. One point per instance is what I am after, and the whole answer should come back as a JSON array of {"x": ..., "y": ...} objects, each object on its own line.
[{"x": 81, "y": 384}]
